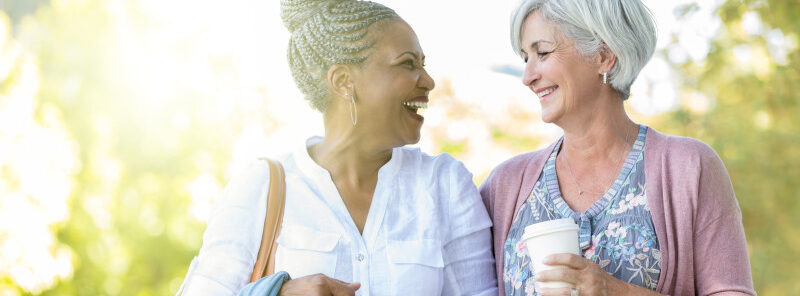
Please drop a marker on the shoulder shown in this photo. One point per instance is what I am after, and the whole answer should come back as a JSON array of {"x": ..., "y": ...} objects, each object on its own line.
[
  {"x": 680, "y": 150},
  {"x": 520, "y": 162},
  {"x": 247, "y": 185},
  {"x": 437, "y": 166},
  {"x": 253, "y": 171},
  {"x": 690, "y": 167},
  {"x": 518, "y": 165},
  {"x": 686, "y": 145}
]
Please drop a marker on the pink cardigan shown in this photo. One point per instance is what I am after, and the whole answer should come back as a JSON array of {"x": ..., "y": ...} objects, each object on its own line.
[{"x": 696, "y": 217}]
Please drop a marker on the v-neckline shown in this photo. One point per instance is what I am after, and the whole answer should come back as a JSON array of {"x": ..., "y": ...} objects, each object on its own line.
[
  {"x": 554, "y": 190},
  {"x": 322, "y": 180}
]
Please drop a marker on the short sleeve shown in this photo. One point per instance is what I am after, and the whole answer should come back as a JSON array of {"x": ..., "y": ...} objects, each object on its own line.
[
  {"x": 467, "y": 213},
  {"x": 469, "y": 263}
]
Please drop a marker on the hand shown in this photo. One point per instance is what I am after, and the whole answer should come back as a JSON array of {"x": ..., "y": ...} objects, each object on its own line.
[
  {"x": 587, "y": 277},
  {"x": 318, "y": 285}
]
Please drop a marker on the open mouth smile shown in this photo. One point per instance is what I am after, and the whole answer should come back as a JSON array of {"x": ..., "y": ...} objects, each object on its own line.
[{"x": 413, "y": 106}]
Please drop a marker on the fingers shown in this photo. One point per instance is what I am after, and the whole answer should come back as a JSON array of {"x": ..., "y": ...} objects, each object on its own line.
[
  {"x": 333, "y": 280},
  {"x": 340, "y": 288},
  {"x": 567, "y": 259},
  {"x": 566, "y": 275},
  {"x": 337, "y": 289},
  {"x": 318, "y": 284},
  {"x": 553, "y": 291}
]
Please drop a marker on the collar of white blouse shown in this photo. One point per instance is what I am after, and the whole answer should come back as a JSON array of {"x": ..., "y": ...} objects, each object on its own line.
[{"x": 323, "y": 183}]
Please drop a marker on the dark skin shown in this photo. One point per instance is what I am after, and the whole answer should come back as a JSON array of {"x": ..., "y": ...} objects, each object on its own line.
[{"x": 353, "y": 154}]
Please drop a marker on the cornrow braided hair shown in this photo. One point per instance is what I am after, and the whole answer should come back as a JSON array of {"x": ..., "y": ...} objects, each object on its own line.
[{"x": 324, "y": 33}]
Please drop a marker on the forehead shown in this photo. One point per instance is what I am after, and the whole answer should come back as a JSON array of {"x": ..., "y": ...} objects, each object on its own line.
[
  {"x": 395, "y": 37},
  {"x": 536, "y": 27}
]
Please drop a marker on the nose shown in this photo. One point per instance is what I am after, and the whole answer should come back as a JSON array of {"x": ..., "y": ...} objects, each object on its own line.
[
  {"x": 426, "y": 81},
  {"x": 531, "y": 73}
]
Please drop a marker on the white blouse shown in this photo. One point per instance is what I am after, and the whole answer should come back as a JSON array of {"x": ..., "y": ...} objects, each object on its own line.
[{"x": 426, "y": 233}]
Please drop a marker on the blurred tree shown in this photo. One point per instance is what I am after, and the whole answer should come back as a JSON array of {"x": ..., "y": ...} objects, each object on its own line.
[
  {"x": 15, "y": 10},
  {"x": 156, "y": 111},
  {"x": 751, "y": 81},
  {"x": 155, "y": 140},
  {"x": 35, "y": 180}
]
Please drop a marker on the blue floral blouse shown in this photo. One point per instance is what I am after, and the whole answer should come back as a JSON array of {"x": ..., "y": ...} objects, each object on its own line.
[{"x": 616, "y": 232}]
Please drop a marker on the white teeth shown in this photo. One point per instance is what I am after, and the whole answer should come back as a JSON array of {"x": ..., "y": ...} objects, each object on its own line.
[
  {"x": 545, "y": 92},
  {"x": 416, "y": 105}
]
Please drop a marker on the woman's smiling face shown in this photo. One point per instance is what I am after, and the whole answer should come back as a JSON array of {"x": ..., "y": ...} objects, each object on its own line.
[
  {"x": 565, "y": 81},
  {"x": 392, "y": 84}
]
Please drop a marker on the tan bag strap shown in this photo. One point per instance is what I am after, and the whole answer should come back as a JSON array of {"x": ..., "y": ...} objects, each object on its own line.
[{"x": 265, "y": 263}]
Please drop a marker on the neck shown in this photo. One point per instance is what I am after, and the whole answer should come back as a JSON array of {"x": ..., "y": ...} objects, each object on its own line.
[
  {"x": 601, "y": 133},
  {"x": 349, "y": 154}
]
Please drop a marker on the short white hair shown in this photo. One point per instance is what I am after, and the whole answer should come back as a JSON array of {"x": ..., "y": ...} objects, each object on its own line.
[{"x": 626, "y": 27}]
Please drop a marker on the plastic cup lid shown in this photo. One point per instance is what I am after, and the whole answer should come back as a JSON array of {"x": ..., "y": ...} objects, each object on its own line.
[{"x": 550, "y": 226}]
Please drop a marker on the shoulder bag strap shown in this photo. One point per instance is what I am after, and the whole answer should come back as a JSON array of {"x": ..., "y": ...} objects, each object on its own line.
[{"x": 265, "y": 263}]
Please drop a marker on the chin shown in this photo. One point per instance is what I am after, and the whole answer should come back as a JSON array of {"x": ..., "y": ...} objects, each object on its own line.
[
  {"x": 411, "y": 139},
  {"x": 548, "y": 117}
]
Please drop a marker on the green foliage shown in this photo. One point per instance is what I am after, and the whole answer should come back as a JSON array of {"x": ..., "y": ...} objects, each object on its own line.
[
  {"x": 755, "y": 128},
  {"x": 130, "y": 228}
]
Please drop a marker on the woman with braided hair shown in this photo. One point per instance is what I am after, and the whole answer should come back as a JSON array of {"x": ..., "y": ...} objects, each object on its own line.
[{"x": 364, "y": 215}]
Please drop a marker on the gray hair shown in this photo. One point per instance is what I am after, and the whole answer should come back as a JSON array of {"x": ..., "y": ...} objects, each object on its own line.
[
  {"x": 324, "y": 33},
  {"x": 625, "y": 26}
]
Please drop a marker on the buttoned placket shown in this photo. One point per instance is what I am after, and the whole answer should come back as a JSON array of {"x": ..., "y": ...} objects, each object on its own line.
[
  {"x": 366, "y": 241},
  {"x": 360, "y": 245}
]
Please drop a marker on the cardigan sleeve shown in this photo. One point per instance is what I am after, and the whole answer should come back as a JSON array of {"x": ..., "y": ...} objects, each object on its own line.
[
  {"x": 721, "y": 259},
  {"x": 487, "y": 192}
]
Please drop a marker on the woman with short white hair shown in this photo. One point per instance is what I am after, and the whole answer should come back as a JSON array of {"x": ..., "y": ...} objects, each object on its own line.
[{"x": 656, "y": 213}]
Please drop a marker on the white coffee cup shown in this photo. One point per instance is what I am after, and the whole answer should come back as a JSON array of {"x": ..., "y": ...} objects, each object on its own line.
[{"x": 550, "y": 237}]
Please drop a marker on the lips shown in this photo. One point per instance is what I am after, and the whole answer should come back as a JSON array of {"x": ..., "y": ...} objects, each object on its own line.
[
  {"x": 545, "y": 92},
  {"x": 414, "y": 105}
]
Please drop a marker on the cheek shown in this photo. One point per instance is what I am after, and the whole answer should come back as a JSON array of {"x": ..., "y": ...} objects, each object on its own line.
[{"x": 384, "y": 82}]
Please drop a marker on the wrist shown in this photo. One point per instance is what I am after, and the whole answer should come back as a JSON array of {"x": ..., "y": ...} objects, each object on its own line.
[
  {"x": 620, "y": 287},
  {"x": 283, "y": 279},
  {"x": 635, "y": 290}
]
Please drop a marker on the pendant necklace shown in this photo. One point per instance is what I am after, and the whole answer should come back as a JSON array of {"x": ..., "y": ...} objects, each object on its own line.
[{"x": 575, "y": 180}]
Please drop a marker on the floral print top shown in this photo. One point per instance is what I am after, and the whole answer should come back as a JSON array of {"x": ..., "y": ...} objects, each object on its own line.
[{"x": 616, "y": 232}]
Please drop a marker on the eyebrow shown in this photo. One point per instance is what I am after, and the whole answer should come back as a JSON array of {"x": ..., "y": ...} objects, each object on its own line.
[
  {"x": 411, "y": 53},
  {"x": 535, "y": 44}
]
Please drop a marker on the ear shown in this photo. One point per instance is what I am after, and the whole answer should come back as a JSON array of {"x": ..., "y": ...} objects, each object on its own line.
[
  {"x": 340, "y": 78},
  {"x": 606, "y": 59}
]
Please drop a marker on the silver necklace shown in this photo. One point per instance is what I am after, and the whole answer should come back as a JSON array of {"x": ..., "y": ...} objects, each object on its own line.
[{"x": 575, "y": 180}]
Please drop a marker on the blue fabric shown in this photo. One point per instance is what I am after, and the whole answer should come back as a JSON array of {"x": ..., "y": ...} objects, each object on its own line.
[
  {"x": 616, "y": 232},
  {"x": 266, "y": 286}
]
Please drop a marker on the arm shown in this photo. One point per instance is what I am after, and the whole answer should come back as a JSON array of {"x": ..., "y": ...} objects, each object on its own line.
[
  {"x": 232, "y": 236},
  {"x": 266, "y": 286},
  {"x": 469, "y": 264},
  {"x": 586, "y": 276},
  {"x": 487, "y": 194},
  {"x": 722, "y": 265},
  {"x": 469, "y": 267},
  {"x": 231, "y": 243}
]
